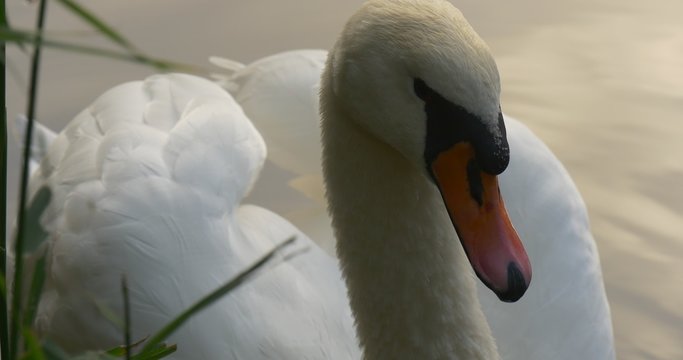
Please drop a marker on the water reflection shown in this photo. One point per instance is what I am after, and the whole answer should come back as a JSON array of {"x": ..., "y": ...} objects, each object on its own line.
[{"x": 605, "y": 90}]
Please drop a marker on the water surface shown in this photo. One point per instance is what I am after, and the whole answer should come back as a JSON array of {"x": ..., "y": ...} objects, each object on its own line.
[{"x": 601, "y": 82}]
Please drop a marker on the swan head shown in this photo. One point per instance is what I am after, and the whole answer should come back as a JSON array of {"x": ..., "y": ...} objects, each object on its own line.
[{"x": 416, "y": 76}]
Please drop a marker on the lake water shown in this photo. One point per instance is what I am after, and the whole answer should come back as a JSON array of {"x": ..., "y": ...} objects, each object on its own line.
[{"x": 601, "y": 82}]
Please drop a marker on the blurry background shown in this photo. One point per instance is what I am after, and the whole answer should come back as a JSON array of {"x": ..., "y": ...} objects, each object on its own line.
[{"x": 600, "y": 81}]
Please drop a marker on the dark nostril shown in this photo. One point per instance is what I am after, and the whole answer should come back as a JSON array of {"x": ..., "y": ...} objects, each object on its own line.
[
  {"x": 516, "y": 284},
  {"x": 474, "y": 181}
]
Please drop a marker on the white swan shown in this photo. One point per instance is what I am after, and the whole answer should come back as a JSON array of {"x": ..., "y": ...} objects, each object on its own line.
[
  {"x": 564, "y": 314},
  {"x": 128, "y": 174}
]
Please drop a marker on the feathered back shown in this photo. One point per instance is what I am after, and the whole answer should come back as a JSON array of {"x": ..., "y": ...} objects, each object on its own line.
[
  {"x": 158, "y": 128},
  {"x": 145, "y": 182}
]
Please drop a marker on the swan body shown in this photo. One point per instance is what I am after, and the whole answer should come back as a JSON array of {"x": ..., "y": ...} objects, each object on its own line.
[
  {"x": 565, "y": 313},
  {"x": 279, "y": 94},
  {"x": 128, "y": 199}
]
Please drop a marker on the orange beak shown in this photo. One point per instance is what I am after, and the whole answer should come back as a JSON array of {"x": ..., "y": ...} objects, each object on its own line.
[{"x": 476, "y": 208}]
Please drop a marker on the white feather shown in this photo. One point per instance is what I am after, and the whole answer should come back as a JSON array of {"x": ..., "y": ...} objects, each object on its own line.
[
  {"x": 40, "y": 142},
  {"x": 158, "y": 200}
]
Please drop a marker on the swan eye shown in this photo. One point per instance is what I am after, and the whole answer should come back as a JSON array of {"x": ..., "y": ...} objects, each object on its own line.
[
  {"x": 449, "y": 124},
  {"x": 423, "y": 91}
]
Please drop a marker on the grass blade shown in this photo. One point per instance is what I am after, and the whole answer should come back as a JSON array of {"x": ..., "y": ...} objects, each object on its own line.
[
  {"x": 91, "y": 355},
  {"x": 4, "y": 332},
  {"x": 160, "y": 351},
  {"x": 15, "y": 328},
  {"x": 238, "y": 280},
  {"x": 34, "y": 234},
  {"x": 98, "y": 24},
  {"x": 27, "y": 37},
  {"x": 4, "y": 326},
  {"x": 120, "y": 351},
  {"x": 108, "y": 313},
  {"x": 3, "y": 289},
  {"x": 34, "y": 350},
  {"x": 35, "y": 291},
  {"x": 126, "y": 317},
  {"x": 53, "y": 352}
]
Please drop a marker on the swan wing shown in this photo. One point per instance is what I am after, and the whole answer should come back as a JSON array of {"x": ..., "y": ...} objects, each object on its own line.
[
  {"x": 147, "y": 183},
  {"x": 42, "y": 138},
  {"x": 564, "y": 313},
  {"x": 279, "y": 93}
]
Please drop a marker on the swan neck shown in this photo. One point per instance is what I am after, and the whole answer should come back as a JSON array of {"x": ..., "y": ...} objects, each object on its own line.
[{"x": 411, "y": 288}]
